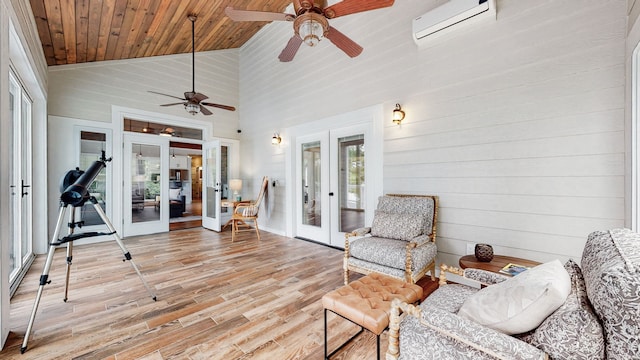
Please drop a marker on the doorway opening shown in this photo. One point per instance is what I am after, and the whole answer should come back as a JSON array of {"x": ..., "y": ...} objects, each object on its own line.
[{"x": 185, "y": 185}]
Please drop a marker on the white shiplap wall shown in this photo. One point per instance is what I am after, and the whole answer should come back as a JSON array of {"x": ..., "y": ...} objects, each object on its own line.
[
  {"x": 87, "y": 91},
  {"x": 517, "y": 124}
]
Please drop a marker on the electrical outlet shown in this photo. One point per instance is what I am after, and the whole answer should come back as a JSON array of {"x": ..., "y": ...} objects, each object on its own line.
[{"x": 471, "y": 249}]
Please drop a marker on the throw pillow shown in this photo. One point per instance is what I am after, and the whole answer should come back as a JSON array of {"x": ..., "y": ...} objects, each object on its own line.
[
  {"x": 521, "y": 303},
  {"x": 174, "y": 194},
  {"x": 396, "y": 226},
  {"x": 572, "y": 332}
]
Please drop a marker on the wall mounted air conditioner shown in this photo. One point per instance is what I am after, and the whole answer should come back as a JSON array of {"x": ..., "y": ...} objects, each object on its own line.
[{"x": 450, "y": 15}]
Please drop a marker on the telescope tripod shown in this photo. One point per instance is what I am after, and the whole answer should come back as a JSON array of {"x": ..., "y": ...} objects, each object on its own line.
[{"x": 44, "y": 278}]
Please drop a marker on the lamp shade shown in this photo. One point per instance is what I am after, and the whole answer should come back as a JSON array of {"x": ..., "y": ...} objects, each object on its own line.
[{"x": 235, "y": 185}]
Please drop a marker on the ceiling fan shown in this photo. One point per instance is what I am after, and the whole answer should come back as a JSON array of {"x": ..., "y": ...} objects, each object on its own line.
[
  {"x": 193, "y": 101},
  {"x": 311, "y": 23}
]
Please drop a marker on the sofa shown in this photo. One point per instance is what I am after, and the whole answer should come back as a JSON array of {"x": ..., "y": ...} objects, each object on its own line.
[
  {"x": 401, "y": 241},
  {"x": 599, "y": 318}
]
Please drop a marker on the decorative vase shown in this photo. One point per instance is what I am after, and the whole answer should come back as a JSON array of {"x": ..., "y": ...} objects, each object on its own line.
[{"x": 484, "y": 252}]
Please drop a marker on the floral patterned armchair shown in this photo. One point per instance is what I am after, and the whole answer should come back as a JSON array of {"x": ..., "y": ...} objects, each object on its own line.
[
  {"x": 401, "y": 241},
  {"x": 599, "y": 319}
]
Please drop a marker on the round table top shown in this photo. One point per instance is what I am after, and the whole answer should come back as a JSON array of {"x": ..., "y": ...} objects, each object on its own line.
[{"x": 498, "y": 262}]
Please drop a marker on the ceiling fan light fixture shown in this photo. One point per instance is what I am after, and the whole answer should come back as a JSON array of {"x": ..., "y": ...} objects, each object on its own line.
[
  {"x": 192, "y": 108},
  {"x": 309, "y": 31},
  {"x": 311, "y": 28}
]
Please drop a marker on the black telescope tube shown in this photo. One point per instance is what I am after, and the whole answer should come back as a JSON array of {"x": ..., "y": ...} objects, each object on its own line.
[{"x": 77, "y": 193}]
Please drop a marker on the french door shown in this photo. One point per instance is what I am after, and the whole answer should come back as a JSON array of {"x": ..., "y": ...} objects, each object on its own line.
[
  {"x": 21, "y": 244},
  {"x": 330, "y": 184},
  {"x": 146, "y": 184},
  {"x": 211, "y": 184}
]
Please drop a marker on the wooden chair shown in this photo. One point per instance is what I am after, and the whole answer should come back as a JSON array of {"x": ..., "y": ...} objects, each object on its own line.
[{"x": 245, "y": 212}]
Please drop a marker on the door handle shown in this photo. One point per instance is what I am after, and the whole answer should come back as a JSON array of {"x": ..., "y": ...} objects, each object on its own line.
[
  {"x": 22, "y": 190},
  {"x": 331, "y": 194}
]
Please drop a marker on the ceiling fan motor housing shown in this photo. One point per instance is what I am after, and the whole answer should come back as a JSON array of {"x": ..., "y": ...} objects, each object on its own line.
[{"x": 303, "y": 6}]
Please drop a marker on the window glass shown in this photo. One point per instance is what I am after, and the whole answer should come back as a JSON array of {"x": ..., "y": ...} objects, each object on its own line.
[{"x": 92, "y": 144}]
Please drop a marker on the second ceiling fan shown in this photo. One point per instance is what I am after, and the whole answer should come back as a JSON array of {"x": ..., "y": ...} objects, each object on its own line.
[
  {"x": 193, "y": 101},
  {"x": 311, "y": 23}
]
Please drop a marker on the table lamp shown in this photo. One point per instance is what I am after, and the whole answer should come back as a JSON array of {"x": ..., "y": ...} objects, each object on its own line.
[{"x": 236, "y": 185}]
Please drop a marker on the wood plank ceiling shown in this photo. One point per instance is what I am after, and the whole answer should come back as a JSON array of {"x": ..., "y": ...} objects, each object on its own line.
[{"x": 79, "y": 31}]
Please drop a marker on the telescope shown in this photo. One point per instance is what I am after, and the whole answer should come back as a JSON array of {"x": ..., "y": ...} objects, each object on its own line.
[
  {"x": 75, "y": 192},
  {"x": 75, "y": 184}
]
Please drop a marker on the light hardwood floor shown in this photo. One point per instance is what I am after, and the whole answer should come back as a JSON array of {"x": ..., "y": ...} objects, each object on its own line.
[{"x": 216, "y": 300}]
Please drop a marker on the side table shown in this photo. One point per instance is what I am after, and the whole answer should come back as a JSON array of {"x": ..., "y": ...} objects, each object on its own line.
[{"x": 498, "y": 262}]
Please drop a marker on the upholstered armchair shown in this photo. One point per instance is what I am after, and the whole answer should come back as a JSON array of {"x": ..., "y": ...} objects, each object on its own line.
[
  {"x": 591, "y": 311},
  {"x": 401, "y": 241}
]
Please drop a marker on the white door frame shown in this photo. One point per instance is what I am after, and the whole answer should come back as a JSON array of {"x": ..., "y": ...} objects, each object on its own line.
[
  {"x": 118, "y": 115},
  {"x": 211, "y": 221},
  {"x": 373, "y": 116}
]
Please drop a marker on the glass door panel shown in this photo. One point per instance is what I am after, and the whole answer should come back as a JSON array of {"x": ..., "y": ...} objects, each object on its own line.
[
  {"x": 26, "y": 213},
  {"x": 14, "y": 244},
  {"x": 351, "y": 184},
  {"x": 211, "y": 191},
  {"x": 92, "y": 144},
  {"x": 144, "y": 183},
  {"x": 311, "y": 183}
]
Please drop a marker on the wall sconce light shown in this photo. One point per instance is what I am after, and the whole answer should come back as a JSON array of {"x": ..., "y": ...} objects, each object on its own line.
[
  {"x": 398, "y": 115},
  {"x": 276, "y": 139}
]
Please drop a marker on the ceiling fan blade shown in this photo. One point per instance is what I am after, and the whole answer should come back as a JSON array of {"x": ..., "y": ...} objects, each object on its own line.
[
  {"x": 205, "y": 111},
  {"x": 173, "y": 104},
  {"x": 347, "y": 7},
  {"x": 291, "y": 49},
  {"x": 198, "y": 97},
  {"x": 249, "y": 15},
  {"x": 224, "y": 107},
  {"x": 175, "y": 97},
  {"x": 345, "y": 44}
]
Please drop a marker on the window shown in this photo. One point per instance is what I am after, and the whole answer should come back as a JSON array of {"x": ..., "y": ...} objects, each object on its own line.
[{"x": 92, "y": 144}]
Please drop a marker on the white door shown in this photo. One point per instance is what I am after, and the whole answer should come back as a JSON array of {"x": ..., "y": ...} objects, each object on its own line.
[
  {"x": 312, "y": 187},
  {"x": 146, "y": 184},
  {"x": 330, "y": 184},
  {"x": 211, "y": 188},
  {"x": 348, "y": 172},
  {"x": 21, "y": 245}
]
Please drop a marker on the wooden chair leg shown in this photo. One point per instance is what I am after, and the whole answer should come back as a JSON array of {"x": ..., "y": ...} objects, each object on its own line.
[
  {"x": 234, "y": 230},
  {"x": 255, "y": 222}
]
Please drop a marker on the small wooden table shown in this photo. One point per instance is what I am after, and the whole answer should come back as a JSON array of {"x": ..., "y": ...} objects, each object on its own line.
[{"x": 498, "y": 262}]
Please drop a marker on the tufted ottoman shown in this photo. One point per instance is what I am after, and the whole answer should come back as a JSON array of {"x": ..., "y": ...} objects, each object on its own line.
[{"x": 366, "y": 302}]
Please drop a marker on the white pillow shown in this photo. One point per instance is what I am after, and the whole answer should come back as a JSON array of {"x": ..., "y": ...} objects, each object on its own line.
[
  {"x": 521, "y": 303},
  {"x": 174, "y": 194}
]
